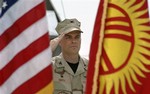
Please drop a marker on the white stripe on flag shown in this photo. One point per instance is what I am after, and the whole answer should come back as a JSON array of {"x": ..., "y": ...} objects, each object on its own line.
[{"x": 24, "y": 39}]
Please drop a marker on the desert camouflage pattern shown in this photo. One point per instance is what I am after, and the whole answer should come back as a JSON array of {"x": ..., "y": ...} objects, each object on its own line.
[{"x": 65, "y": 80}]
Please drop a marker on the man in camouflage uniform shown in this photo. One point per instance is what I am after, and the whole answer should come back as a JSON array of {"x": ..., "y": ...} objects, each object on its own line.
[{"x": 69, "y": 68}]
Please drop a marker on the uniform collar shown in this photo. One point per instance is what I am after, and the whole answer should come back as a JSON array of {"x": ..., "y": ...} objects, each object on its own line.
[{"x": 82, "y": 67}]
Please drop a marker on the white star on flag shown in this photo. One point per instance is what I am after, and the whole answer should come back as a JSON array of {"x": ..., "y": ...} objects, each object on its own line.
[{"x": 4, "y": 5}]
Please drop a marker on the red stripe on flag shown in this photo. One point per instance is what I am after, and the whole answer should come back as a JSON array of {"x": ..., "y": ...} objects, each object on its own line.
[
  {"x": 123, "y": 19},
  {"x": 21, "y": 24},
  {"x": 118, "y": 27},
  {"x": 119, "y": 36},
  {"x": 36, "y": 83},
  {"x": 25, "y": 55}
]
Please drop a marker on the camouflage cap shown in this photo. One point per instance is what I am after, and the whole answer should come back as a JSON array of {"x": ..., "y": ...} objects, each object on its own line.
[{"x": 68, "y": 25}]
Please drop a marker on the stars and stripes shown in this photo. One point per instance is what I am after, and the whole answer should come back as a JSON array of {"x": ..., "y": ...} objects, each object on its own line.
[{"x": 25, "y": 57}]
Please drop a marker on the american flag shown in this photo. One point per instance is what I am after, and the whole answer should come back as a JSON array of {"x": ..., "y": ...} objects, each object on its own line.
[{"x": 25, "y": 66}]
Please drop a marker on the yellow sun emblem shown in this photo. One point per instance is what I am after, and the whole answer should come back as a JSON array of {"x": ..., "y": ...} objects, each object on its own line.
[{"x": 126, "y": 46}]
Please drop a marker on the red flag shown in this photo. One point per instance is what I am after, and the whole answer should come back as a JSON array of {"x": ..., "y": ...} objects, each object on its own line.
[
  {"x": 25, "y": 56},
  {"x": 120, "y": 50}
]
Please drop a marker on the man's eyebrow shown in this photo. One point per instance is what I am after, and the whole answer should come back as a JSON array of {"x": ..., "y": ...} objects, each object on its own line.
[{"x": 67, "y": 35}]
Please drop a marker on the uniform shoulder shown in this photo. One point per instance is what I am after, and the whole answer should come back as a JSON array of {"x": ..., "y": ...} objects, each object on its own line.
[
  {"x": 56, "y": 59},
  {"x": 85, "y": 60}
]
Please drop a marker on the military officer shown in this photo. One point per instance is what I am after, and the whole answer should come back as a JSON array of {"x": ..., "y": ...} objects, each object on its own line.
[{"x": 69, "y": 68}]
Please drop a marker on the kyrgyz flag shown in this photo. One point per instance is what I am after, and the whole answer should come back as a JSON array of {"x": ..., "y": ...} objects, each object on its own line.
[{"x": 120, "y": 49}]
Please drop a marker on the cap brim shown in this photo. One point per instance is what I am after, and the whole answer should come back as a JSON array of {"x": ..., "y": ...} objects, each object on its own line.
[{"x": 70, "y": 30}]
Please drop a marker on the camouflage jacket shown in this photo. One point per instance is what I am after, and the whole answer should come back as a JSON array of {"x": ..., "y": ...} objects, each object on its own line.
[{"x": 65, "y": 80}]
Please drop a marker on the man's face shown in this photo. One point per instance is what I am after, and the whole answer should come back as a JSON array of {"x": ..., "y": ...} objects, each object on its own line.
[{"x": 71, "y": 42}]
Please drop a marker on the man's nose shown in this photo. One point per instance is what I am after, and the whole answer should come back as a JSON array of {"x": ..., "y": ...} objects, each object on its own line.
[{"x": 74, "y": 40}]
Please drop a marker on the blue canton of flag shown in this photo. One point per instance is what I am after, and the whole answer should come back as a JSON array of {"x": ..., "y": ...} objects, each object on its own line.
[{"x": 5, "y": 5}]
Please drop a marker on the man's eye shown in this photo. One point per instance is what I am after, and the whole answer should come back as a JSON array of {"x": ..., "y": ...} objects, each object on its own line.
[
  {"x": 77, "y": 37},
  {"x": 67, "y": 37}
]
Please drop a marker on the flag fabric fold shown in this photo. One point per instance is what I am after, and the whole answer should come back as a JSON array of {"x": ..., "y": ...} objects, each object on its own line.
[
  {"x": 119, "y": 61},
  {"x": 25, "y": 55}
]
